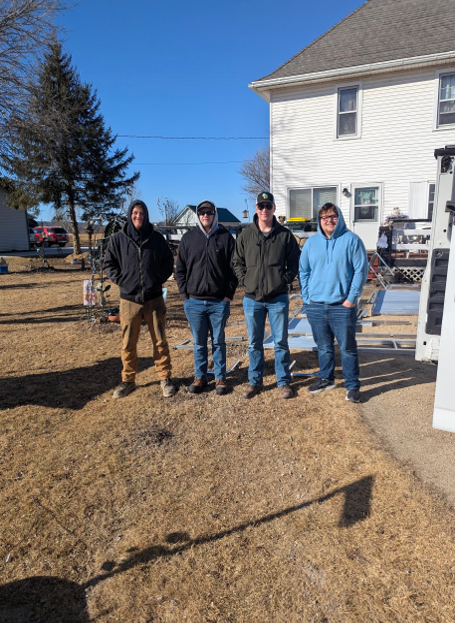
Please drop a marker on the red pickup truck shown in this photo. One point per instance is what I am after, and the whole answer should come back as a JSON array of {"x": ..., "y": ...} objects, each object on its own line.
[{"x": 47, "y": 236}]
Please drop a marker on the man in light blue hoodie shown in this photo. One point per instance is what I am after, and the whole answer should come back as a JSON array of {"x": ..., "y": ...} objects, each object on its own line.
[{"x": 333, "y": 270}]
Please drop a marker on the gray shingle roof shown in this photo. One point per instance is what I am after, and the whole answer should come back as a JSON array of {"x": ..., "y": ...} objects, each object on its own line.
[{"x": 378, "y": 31}]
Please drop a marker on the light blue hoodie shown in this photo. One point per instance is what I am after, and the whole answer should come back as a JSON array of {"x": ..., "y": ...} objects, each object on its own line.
[{"x": 333, "y": 269}]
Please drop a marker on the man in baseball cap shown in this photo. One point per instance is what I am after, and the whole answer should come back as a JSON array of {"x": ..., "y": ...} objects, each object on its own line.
[
  {"x": 207, "y": 282},
  {"x": 266, "y": 261}
]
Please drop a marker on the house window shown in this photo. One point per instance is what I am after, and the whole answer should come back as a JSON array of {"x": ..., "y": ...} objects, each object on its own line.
[
  {"x": 446, "y": 105},
  {"x": 347, "y": 112},
  {"x": 431, "y": 189},
  {"x": 366, "y": 204},
  {"x": 305, "y": 202}
]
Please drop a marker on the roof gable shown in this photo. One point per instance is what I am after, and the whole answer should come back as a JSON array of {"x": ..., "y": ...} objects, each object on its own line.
[
  {"x": 224, "y": 215},
  {"x": 378, "y": 31}
]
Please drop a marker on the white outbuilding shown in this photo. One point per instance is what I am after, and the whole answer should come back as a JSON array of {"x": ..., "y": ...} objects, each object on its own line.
[{"x": 13, "y": 227}]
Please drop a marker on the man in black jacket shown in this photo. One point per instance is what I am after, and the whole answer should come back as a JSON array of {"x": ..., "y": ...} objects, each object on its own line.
[
  {"x": 266, "y": 262},
  {"x": 207, "y": 282},
  {"x": 139, "y": 261}
]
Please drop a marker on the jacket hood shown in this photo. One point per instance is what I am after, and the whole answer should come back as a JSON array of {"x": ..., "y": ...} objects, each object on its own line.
[
  {"x": 215, "y": 218},
  {"x": 130, "y": 230},
  {"x": 340, "y": 229}
]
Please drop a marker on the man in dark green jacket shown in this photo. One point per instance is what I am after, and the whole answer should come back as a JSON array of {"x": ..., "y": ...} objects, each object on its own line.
[{"x": 266, "y": 262}]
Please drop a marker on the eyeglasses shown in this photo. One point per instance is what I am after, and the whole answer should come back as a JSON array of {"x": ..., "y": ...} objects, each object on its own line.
[
  {"x": 333, "y": 217},
  {"x": 206, "y": 212},
  {"x": 265, "y": 206}
]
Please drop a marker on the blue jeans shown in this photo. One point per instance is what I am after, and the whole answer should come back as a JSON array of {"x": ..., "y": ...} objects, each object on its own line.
[
  {"x": 205, "y": 316},
  {"x": 255, "y": 315},
  {"x": 327, "y": 322}
]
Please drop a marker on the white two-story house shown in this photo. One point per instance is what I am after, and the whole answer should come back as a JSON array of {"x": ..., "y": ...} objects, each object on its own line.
[{"x": 355, "y": 116}]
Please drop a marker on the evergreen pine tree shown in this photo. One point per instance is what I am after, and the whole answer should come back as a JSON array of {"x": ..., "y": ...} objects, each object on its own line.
[{"x": 63, "y": 153}]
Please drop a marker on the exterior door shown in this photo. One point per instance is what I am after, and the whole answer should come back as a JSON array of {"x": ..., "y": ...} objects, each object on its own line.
[{"x": 366, "y": 214}]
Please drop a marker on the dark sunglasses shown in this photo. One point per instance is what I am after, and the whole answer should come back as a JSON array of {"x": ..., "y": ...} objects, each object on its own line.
[
  {"x": 206, "y": 212},
  {"x": 265, "y": 206}
]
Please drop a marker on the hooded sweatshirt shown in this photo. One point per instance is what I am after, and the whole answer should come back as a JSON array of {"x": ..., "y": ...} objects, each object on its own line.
[
  {"x": 333, "y": 269},
  {"x": 138, "y": 261},
  {"x": 138, "y": 235},
  {"x": 214, "y": 226},
  {"x": 204, "y": 264}
]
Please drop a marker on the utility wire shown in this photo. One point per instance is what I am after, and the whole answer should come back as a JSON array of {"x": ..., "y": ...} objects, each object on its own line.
[
  {"x": 197, "y": 138},
  {"x": 188, "y": 163}
]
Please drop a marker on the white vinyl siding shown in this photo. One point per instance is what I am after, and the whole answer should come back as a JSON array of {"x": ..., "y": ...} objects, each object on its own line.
[
  {"x": 419, "y": 198},
  {"x": 13, "y": 228},
  {"x": 396, "y": 146}
]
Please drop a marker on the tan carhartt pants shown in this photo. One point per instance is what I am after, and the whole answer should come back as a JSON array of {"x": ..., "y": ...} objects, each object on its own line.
[{"x": 131, "y": 316}]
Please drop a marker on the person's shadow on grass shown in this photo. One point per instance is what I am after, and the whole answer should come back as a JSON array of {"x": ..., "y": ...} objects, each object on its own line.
[
  {"x": 55, "y": 600},
  {"x": 382, "y": 373},
  {"x": 64, "y": 389}
]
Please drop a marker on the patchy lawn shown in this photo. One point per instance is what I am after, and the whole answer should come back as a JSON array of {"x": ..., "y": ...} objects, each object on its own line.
[{"x": 200, "y": 508}]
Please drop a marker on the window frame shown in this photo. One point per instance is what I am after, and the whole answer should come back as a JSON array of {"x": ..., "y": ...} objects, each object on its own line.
[
  {"x": 437, "y": 82},
  {"x": 378, "y": 205},
  {"x": 359, "y": 101},
  {"x": 336, "y": 187}
]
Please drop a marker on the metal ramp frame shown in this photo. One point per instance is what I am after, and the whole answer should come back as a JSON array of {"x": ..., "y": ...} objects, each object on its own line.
[
  {"x": 375, "y": 272},
  {"x": 188, "y": 344}
]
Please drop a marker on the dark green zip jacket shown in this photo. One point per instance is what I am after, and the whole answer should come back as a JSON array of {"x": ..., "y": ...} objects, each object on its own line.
[
  {"x": 265, "y": 266},
  {"x": 140, "y": 267}
]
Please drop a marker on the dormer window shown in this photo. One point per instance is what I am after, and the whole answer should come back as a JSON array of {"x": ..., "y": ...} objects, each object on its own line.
[{"x": 347, "y": 112}]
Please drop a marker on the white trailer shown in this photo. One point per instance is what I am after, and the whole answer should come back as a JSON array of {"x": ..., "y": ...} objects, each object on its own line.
[{"x": 436, "y": 327}]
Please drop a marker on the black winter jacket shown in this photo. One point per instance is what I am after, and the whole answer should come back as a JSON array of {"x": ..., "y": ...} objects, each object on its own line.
[
  {"x": 138, "y": 270},
  {"x": 266, "y": 266},
  {"x": 204, "y": 265}
]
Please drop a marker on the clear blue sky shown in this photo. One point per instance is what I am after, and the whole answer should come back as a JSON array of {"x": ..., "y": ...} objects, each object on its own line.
[{"x": 180, "y": 68}]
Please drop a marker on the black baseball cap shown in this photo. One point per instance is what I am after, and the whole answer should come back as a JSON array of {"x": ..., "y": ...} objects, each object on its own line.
[
  {"x": 207, "y": 205},
  {"x": 265, "y": 198}
]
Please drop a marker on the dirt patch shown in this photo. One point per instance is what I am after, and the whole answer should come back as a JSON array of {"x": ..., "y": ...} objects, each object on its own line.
[{"x": 202, "y": 508}]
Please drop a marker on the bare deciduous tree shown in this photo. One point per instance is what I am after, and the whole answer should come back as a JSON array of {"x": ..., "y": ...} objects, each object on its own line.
[
  {"x": 169, "y": 209},
  {"x": 131, "y": 194},
  {"x": 26, "y": 28},
  {"x": 256, "y": 172}
]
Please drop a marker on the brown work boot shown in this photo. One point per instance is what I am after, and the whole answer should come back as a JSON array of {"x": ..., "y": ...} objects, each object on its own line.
[
  {"x": 251, "y": 391},
  {"x": 168, "y": 388},
  {"x": 197, "y": 386},
  {"x": 221, "y": 387},
  {"x": 286, "y": 392},
  {"x": 124, "y": 389}
]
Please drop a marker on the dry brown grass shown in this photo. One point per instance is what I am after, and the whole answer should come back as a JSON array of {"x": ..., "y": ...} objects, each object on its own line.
[{"x": 201, "y": 508}]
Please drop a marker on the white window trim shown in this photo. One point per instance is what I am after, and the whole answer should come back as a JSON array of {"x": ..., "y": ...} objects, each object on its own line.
[
  {"x": 428, "y": 195},
  {"x": 358, "y": 134},
  {"x": 437, "y": 78},
  {"x": 313, "y": 186},
  {"x": 379, "y": 185}
]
